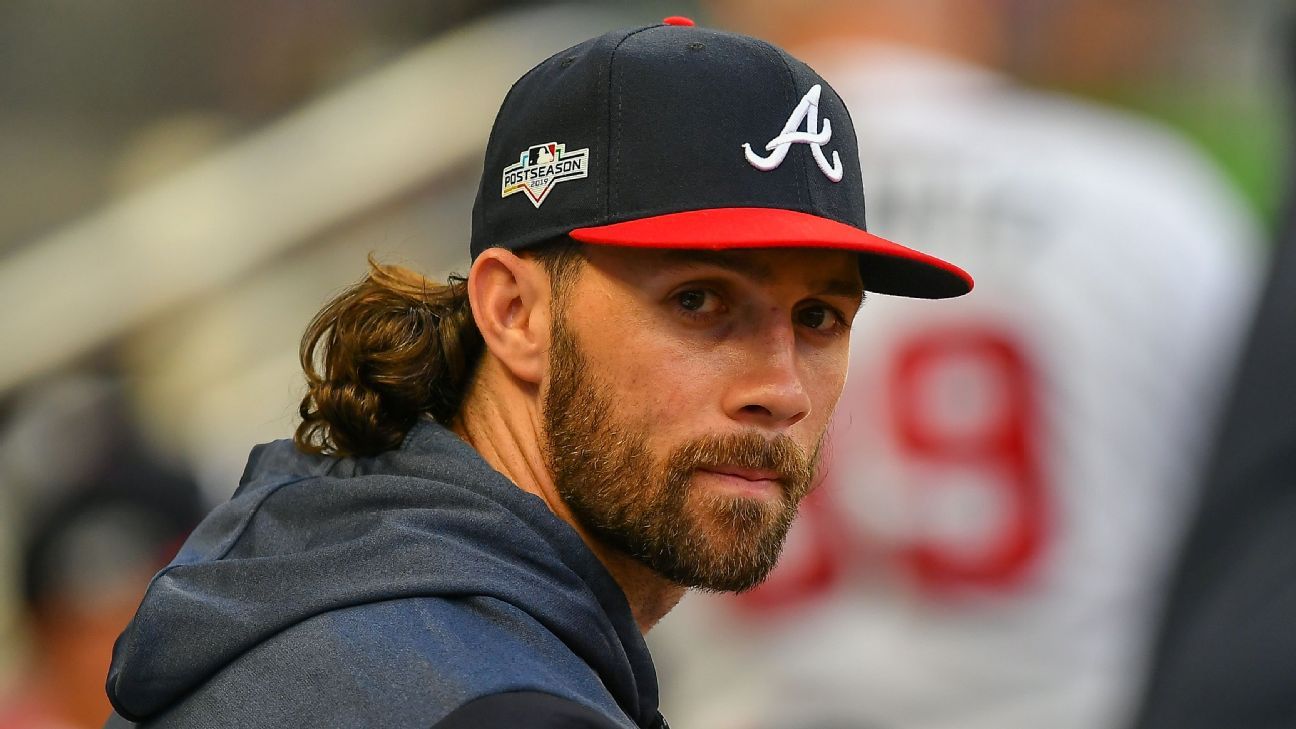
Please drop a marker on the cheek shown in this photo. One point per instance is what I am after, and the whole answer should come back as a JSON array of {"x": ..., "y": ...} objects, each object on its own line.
[
  {"x": 656, "y": 379},
  {"x": 825, "y": 378},
  {"x": 671, "y": 380}
]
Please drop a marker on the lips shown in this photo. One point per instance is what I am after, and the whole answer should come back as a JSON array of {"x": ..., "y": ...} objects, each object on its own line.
[{"x": 747, "y": 474}]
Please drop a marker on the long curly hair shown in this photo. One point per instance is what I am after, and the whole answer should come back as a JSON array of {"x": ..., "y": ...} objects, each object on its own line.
[{"x": 391, "y": 348}]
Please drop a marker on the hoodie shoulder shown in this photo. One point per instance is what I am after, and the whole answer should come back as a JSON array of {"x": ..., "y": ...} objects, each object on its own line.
[
  {"x": 523, "y": 708},
  {"x": 282, "y": 459},
  {"x": 326, "y": 578},
  {"x": 402, "y": 663}
]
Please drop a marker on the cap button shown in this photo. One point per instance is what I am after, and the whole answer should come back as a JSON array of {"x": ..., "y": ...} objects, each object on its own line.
[{"x": 678, "y": 20}]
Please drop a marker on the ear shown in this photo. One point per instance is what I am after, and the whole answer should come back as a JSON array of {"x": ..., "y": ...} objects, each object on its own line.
[{"x": 510, "y": 303}]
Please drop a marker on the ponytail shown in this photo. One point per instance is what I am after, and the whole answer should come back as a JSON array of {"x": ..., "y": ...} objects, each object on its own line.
[{"x": 382, "y": 353}]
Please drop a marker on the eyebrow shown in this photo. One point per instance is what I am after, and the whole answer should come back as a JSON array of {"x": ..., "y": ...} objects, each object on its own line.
[
  {"x": 757, "y": 271},
  {"x": 845, "y": 289}
]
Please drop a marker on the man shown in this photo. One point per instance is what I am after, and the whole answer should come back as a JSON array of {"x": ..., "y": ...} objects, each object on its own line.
[
  {"x": 1006, "y": 478},
  {"x": 1226, "y": 649},
  {"x": 95, "y": 513},
  {"x": 501, "y": 483}
]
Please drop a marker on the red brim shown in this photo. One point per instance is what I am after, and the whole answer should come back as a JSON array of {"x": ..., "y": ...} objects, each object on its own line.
[{"x": 887, "y": 268}]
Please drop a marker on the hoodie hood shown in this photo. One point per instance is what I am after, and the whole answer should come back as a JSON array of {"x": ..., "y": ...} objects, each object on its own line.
[{"x": 305, "y": 535}]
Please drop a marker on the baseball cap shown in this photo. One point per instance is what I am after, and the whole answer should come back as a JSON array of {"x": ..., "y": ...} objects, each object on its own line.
[{"x": 676, "y": 136}]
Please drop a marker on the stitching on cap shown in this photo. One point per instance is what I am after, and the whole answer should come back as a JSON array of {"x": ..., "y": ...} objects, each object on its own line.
[
  {"x": 846, "y": 163},
  {"x": 490, "y": 139},
  {"x": 607, "y": 195},
  {"x": 803, "y": 168}
]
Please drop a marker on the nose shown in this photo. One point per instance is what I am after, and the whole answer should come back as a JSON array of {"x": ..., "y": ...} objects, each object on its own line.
[{"x": 769, "y": 390}]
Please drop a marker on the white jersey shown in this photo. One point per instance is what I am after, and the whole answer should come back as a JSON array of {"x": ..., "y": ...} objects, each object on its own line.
[{"x": 1008, "y": 472}]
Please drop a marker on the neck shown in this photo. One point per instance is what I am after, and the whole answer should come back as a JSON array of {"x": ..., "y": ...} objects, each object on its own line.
[{"x": 503, "y": 422}]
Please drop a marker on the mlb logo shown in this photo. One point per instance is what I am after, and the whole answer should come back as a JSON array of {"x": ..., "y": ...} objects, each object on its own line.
[
  {"x": 542, "y": 167},
  {"x": 542, "y": 154}
]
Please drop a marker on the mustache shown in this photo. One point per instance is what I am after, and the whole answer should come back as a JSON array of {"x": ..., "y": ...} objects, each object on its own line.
[{"x": 780, "y": 454}]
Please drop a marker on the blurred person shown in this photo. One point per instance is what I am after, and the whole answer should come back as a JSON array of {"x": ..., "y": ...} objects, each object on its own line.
[
  {"x": 85, "y": 571},
  {"x": 96, "y": 524},
  {"x": 501, "y": 483},
  {"x": 1226, "y": 649},
  {"x": 1004, "y": 480}
]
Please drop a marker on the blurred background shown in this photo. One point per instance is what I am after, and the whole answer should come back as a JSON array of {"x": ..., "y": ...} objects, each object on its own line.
[{"x": 183, "y": 185}]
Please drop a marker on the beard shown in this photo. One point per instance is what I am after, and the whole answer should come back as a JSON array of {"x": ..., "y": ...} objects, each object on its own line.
[{"x": 650, "y": 509}]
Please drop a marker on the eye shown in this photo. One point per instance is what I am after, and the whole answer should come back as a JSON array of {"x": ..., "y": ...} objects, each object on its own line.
[
  {"x": 821, "y": 318},
  {"x": 698, "y": 302}
]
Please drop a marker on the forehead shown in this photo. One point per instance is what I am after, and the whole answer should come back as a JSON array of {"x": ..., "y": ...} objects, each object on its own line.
[{"x": 818, "y": 268}]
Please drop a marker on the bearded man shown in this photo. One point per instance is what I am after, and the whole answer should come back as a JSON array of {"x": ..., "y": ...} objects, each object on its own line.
[{"x": 499, "y": 484}]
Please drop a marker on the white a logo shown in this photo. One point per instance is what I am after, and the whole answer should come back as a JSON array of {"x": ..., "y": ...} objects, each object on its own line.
[{"x": 778, "y": 147}]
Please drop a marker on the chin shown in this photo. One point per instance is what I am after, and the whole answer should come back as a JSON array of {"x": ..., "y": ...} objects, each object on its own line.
[{"x": 734, "y": 543}]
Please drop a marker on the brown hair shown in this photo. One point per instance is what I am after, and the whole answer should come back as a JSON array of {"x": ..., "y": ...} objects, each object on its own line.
[{"x": 391, "y": 348}]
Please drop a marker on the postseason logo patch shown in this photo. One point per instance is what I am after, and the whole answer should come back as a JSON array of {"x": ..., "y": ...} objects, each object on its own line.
[{"x": 542, "y": 167}]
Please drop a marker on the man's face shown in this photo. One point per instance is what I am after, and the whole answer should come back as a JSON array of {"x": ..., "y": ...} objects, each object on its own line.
[{"x": 687, "y": 399}]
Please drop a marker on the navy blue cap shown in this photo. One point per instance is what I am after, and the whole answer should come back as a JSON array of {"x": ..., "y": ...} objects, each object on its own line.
[{"x": 675, "y": 136}]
